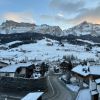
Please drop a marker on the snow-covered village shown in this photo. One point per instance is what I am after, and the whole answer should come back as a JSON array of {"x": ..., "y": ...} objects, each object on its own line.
[{"x": 52, "y": 53}]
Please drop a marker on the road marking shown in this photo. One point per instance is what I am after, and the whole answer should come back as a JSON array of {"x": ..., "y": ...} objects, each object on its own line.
[{"x": 51, "y": 85}]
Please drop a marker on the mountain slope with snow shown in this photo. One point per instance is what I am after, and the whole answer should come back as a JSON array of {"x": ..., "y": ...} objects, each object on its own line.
[
  {"x": 45, "y": 49},
  {"x": 46, "y": 29},
  {"x": 84, "y": 28},
  {"x": 10, "y": 27}
]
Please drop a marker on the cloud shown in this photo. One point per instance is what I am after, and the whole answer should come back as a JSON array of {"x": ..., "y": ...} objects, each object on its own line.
[
  {"x": 61, "y": 21},
  {"x": 60, "y": 15},
  {"x": 67, "y": 6},
  {"x": 80, "y": 9},
  {"x": 56, "y": 18},
  {"x": 90, "y": 15},
  {"x": 19, "y": 17}
]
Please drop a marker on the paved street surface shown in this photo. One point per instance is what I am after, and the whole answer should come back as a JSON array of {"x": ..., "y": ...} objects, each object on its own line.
[{"x": 57, "y": 90}]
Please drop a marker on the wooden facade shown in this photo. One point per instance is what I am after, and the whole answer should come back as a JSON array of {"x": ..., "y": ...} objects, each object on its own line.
[
  {"x": 65, "y": 66},
  {"x": 89, "y": 79}
]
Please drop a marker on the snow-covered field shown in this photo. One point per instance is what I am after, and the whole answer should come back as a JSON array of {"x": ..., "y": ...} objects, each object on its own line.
[{"x": 46, "y": 50}]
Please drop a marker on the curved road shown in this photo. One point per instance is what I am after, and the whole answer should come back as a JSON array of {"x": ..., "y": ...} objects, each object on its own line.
[{"x": 57, "y": 90}]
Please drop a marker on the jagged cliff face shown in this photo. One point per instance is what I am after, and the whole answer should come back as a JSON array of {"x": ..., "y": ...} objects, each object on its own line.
[
  {"x": 83, "y": 28},
  {"x": 9, "y": 27},
  {"x": 46, "y": 29},
  {"x": 9, "y": 23}
]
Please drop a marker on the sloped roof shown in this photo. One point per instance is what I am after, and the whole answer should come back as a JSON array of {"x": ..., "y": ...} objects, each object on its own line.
[
  {"x": 95, "y": 70},
  {"x": 79, "y": 70},
  {"x": 87, "y": 70},
  {"x": 97, "y": 81},
  {"x": 32, "y": 96},
  {"x": 13, "y": 68}
]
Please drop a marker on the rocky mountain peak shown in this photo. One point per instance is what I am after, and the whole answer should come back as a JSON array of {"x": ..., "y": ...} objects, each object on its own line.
[
  {"x": 9, "y": 27},
  {"x": 84, "y": 23},
  {"x": 84, "y": 28},
  {"x": 46, "y": 29},
  {"x": 9, "y": 23}
]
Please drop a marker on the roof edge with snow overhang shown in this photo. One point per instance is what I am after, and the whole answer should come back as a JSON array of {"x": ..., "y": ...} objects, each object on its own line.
[
  {"x": 32, "y": 96},
  {"x": 13, "y": 68},
  {"x": 87, "y": 70}
]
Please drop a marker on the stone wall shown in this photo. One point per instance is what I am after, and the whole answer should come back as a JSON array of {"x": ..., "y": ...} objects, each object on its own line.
[{"x": 23, "y": 84}]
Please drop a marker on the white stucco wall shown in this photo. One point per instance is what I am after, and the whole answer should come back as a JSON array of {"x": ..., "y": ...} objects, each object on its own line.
[
  {"x": 11, "y": 74},
  {"x": 7, "y": 74},
  {"x": 2, "y": 74}
]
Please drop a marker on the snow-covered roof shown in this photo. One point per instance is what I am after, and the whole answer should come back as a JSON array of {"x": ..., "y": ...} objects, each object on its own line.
[
  {"x": 32, "y": 96},
  {"x": 13, "y": 68},
  {"x": 97, "y": 81},
  {"x": 84, "y": 95},
  {"x": 95, "y": 70},
  {"x": 94, "y": 92},
  {"x": 80, "y": 70},
  {"x": 87, "y": 70},
  {"x": 4, "y": 61}
]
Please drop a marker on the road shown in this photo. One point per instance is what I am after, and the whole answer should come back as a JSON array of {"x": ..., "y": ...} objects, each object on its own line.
[{"x": 57, "y": 90}]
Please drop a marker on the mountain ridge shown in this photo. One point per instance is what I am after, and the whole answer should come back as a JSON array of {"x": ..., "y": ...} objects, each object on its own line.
[{"x": 84, "y": 28}]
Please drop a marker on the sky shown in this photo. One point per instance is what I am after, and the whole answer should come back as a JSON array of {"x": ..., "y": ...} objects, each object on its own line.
[{"x": 63, "y": 13}]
